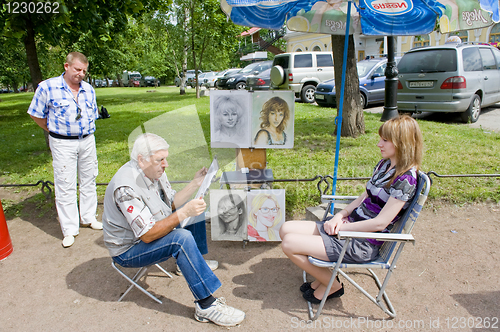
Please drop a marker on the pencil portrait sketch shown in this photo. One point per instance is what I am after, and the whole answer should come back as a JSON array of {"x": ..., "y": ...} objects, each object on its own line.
[
  {"x": 228, "y": 215},
  {"x": 229, "y": 118}
]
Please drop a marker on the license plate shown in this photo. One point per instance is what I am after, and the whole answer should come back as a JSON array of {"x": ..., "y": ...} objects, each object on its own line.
[
  {"x": 422, "y": 84},
  {"x": 319, "y": 97}
]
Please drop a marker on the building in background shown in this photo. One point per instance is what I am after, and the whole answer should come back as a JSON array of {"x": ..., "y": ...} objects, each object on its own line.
[{"x": 376, "y": 45}]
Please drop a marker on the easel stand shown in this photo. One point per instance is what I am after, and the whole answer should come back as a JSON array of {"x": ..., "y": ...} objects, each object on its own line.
[{"x": 251, "y": 172}]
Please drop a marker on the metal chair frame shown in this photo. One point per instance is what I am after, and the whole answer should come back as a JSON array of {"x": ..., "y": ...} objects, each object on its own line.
[
  {"x": 393, "y": 242},
  {"x": 133, "y": 281}
]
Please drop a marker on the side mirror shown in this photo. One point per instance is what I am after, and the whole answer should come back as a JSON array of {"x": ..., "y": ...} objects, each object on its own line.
[{"x": 376, "y": 75}]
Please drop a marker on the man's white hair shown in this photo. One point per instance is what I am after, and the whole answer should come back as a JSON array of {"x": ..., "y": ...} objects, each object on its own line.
[{"x": 147, "y": 145}]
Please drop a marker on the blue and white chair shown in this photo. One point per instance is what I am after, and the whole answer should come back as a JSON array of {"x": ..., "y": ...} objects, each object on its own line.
[{"x": 390, "y": 251}]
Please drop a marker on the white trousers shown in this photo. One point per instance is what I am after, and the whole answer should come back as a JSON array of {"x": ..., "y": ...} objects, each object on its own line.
[{"x": 69, "y": 158}]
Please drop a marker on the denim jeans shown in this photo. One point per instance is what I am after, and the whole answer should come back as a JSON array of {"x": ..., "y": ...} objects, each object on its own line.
[
  {"x": 199, "y": 231},
  {"x": 180, "y": 244}
]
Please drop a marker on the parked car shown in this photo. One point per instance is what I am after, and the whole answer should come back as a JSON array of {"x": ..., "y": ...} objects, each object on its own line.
[
  {"x": 454, "y": 77},
  {"x": 201, "y": 78},
  {"x": 209, "y": 79},
  {"x": 238, "y": 80},
  {"x": 189, "y": 73},
  {"x": 261, "y": 81},
  {"x": 212, "y": 81},
  {"x": 301, "y": 72},
  {"x": 371, "y": 84},
  {"x": 150, "y": 81}
]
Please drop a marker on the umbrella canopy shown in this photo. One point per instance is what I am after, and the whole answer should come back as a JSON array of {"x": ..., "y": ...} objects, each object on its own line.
[{"x": 369, "y": 17}]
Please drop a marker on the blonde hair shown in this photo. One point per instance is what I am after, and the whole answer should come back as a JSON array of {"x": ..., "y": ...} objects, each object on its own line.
[
  {"x": 257, "y": 203},
  {"x": 404, "y": 132}
]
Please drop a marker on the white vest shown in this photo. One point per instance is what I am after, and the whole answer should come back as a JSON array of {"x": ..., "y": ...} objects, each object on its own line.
[{"x": 118, "y": 235}]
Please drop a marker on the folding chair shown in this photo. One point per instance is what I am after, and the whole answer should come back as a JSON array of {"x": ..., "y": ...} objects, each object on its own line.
[
  {"x": 133, "y": 281},
  {"x": 393, "y": 243}
]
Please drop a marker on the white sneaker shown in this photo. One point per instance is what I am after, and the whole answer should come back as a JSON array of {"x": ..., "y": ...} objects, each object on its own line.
[
  {"x": 219, "y": 313},
  {"x": 213, "y": 265},
  {"x": 94, "y": 225},
  {"x": 68, "y": 241}
]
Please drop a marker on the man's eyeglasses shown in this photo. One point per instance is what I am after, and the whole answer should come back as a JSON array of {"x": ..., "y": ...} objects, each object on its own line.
[{"x": 266, "y": 210}]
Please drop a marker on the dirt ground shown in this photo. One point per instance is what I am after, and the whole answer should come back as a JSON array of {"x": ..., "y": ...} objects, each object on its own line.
[{"x": 448, "y": 281}]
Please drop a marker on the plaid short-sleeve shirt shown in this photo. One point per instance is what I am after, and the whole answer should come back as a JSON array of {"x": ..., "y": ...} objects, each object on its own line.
[{"x": 54, "y": 101}]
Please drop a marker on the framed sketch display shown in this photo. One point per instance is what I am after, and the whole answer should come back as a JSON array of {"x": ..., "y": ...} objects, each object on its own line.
[
  {"x": 259, "y": 119},
  {"x": 266, "y": 214},
  {"x": 228, "y": 215},
  {"x": 272, "y": 119},
  {"x": 229, "y": 118}
]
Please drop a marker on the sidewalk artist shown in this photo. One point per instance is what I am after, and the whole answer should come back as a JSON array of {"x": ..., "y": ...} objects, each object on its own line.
[{"x": 141, "y": 215}]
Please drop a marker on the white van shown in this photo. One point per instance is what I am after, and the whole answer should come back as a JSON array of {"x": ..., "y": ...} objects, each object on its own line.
[{"x": 301, "y": 72}]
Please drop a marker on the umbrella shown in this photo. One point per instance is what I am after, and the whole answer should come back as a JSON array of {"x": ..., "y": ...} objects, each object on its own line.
[{"x": 369, "y": 17}]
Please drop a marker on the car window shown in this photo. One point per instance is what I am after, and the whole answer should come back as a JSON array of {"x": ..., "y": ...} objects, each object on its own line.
[
  {"x": 281, "y": 61},
  {"x": 488, "y": 59},
  {"x": 303, "y": 61},
  {"x": 364, "y": 67},
  {"x": 428, "y": 61},
  {"x": 251, "y": 67},
  {"x": 380, "y": 70},
  {"x": 324, "y": 60},
  {"x": 263, "y": 66},
  {"x": 496, "y": 52},
  {"x": 471, "y": 59}
]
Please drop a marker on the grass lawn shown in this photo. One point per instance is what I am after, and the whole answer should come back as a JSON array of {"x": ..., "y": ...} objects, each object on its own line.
[{"x": 449, "y": 148}]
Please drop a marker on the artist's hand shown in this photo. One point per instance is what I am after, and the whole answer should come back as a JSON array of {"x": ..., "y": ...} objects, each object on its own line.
[
  {"x": 200, "y": 176},
  {"x": 194, "y": 208},
  {"x": 332, "y": 226}
]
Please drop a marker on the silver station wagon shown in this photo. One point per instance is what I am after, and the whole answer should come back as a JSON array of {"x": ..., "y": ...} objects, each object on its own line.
[{"x": 455, "y": 77}]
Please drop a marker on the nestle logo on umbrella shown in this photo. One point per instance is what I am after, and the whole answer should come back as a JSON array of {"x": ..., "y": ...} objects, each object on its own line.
[{"x": 392, "y": 7}]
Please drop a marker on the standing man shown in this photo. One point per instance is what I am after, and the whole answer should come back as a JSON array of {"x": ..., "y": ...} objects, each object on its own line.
[
  {"x": 65, "y": 107},
  {"x": 141, "y": 216}
]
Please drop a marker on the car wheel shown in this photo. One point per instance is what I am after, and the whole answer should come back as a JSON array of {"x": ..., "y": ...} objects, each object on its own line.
[
  {"x": 277, "y": 75},
  {"x": 362, "y": 100},
  {"x": 241, "y": 86},
  {"x": 472, "y": 113},
  {"x": 307, "y": 94}
]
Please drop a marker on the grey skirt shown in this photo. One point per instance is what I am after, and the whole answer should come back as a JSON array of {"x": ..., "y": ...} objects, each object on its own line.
[{"x": 359, "y": 250}]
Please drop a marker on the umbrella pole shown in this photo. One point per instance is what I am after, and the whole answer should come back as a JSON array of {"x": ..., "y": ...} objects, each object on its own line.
[
  {"x": 391, "y": 83},
  {"x": 338, "y": 119}
]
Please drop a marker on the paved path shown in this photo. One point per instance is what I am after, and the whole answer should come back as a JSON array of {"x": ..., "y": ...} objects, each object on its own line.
[{"x": 488, "y": 120}]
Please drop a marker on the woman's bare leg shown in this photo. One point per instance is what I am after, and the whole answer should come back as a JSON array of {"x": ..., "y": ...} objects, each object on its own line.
[{"x": 301, "y": 239}]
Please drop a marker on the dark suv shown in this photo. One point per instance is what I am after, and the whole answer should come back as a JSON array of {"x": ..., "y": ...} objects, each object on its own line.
[
  {"x": 455, "y": 77},
  {"x": 238, "y": 80}
]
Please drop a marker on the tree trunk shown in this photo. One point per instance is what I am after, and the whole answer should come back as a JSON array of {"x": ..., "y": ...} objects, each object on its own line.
[
  {"x": 353, "y": 122},
  {"x": 33, "y": 65},
  {"x": 184, "y": 52},
  {"x": 31, "y": 54}
]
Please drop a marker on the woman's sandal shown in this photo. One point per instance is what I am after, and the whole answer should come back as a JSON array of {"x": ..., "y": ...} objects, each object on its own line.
[
  {"x": 307, "y": 286},
  {"x": 309, "y": 295}
]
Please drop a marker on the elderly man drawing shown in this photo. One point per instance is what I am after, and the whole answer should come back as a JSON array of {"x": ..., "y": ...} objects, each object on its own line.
[{"x": 141, "y": 215}]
